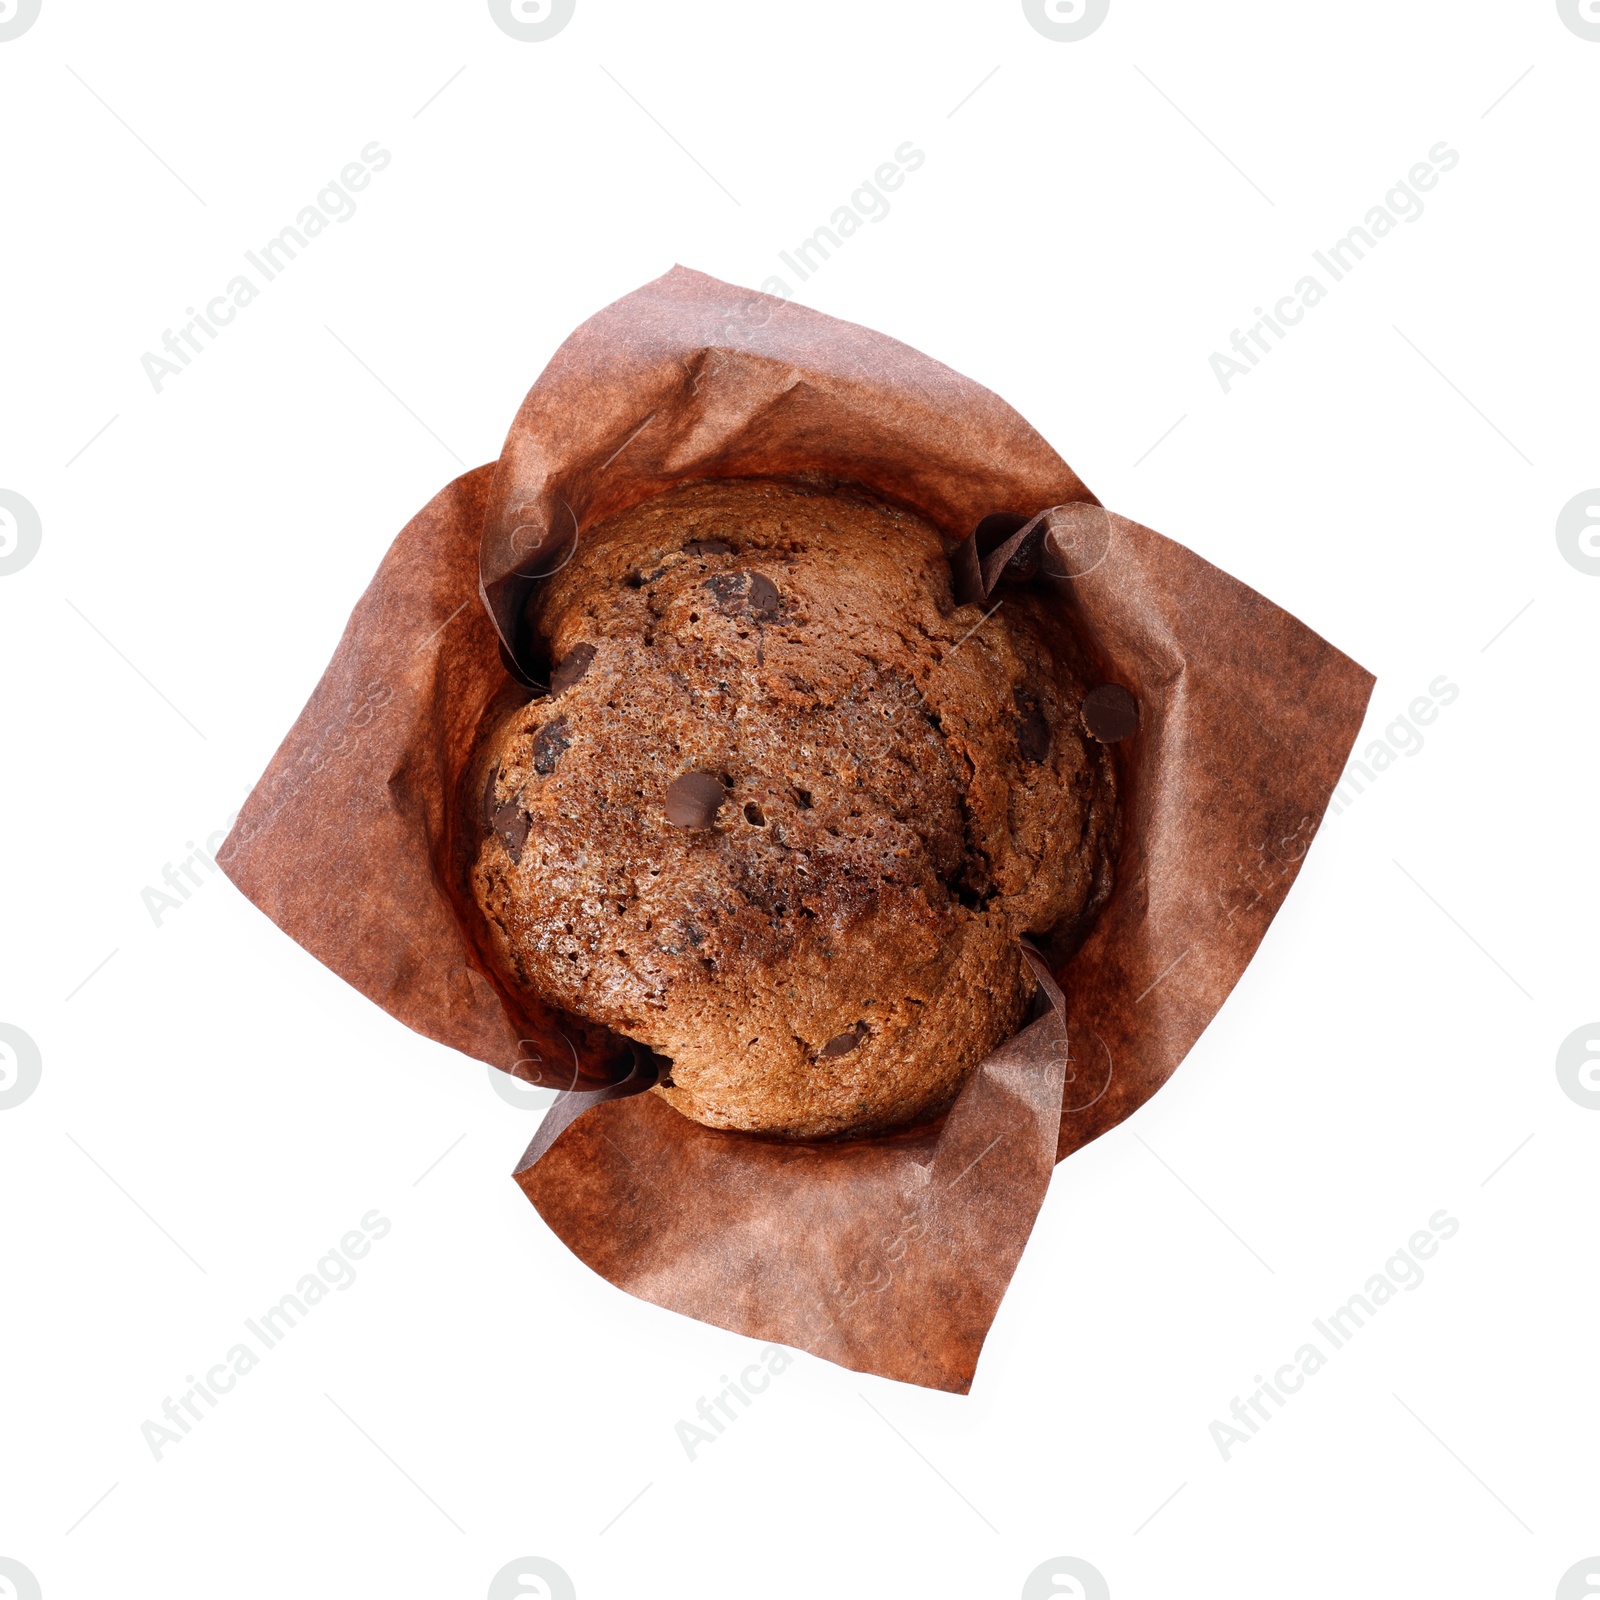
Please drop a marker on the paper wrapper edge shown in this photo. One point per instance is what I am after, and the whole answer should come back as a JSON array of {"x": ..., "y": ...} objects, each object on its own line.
[{"x": 885, "y": 1255}]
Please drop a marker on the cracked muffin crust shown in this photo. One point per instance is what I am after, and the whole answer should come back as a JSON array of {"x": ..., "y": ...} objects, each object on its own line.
[{"x": 787, "y": 807}]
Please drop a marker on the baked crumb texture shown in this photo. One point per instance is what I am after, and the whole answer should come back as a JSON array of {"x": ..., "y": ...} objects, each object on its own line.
[{"x": 787, "y": 807}]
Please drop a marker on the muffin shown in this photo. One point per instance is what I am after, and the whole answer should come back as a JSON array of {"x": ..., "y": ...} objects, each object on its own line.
[{"x": 786, "y": 808}]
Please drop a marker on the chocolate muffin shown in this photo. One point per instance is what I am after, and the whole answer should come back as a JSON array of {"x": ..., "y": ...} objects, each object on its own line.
[{"x": 787, "y": 808}]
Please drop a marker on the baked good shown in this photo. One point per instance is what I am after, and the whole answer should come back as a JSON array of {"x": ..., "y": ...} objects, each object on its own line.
[{"x": 787, "y": 808}]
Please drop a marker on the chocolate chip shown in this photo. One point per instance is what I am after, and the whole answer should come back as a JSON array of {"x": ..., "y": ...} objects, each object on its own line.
[
  {"x": 842, "y": 1044},
  {"x": 549, "y": 745},
  {"x": 764, "y": 598},
  {"x": 1110, "y": 713},
  {"x": 1033, "y": 732},
  {"x": 574, "y": 664},
  {"x": 709, "y": 547},
  {"x": 745, "y": 594},
  {"x": 488, "y": 797},
  {"x": 694, "y": 799},
  {"x": 511, "y": 824}
]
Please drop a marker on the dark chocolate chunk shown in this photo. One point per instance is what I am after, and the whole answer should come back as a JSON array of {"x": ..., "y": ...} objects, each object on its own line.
[
  {"x": 764, "y": 599},
  {"x": 694, "y": 799},
  {"x": 1110, "y": 713},
  {"x": 1033, "y": 732},
  {"x": 842, "y": 1044},
  {"x": 548, "y": 745},
  {"x": 745, "y": 594},
  {"x": 709, "y": 547},
  {"x": 574, "y": 664},
  {"x": 511, "y": 824}
]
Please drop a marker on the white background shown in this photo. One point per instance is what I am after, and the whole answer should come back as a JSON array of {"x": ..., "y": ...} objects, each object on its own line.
[{"x": 215, "y": 1109}]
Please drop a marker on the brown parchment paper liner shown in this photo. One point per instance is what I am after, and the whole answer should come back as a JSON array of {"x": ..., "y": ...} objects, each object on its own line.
[{"x": 887, "y": 1255}]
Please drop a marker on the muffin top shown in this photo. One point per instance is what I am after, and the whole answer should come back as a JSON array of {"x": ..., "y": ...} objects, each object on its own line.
[{"x": 787, "y": 807}]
